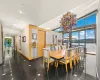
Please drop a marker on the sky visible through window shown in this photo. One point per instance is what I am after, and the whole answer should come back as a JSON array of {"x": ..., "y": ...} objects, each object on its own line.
[
  {"x": 75, "y": 35},
  {"x": 90, "y": 34},
  {"x": 91, "y": 19}
]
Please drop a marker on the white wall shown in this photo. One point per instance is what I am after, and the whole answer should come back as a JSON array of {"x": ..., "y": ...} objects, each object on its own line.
[
  {"x": 98, "y": 43},
  {"x": 49, "y": 36},
  {"x": 34, "y": 51},
  {"x": 91, "y": 65},
  {"x": 25, "y": 45},
  {"x": 1, "y": 46}
]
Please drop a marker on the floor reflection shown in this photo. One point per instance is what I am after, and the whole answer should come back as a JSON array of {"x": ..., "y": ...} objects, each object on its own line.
[{"x": 19, "y": 68}]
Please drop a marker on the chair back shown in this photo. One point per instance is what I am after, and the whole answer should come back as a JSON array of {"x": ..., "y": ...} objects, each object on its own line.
[
  {"x": 45, "y": 52},
  {"x": 64, "y": 47},
  {"x": 69, "y": 54},
  {"x": 73, "y": 52},
  {"x": 52, "y": 48},
  {"x": 81, "y": 50},
  {"x": 56, "y": 48},
  {"x": 48, "y": 47},
  {"x": 77, "y": 50},
  {"x": 59, "y": 47}
]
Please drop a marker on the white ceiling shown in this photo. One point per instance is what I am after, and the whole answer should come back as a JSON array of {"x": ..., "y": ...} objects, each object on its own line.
[{"x": 17, "y": 14}]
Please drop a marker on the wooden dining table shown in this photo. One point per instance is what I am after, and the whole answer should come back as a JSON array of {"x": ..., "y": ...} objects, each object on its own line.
[{"x": 56, "y": 55}]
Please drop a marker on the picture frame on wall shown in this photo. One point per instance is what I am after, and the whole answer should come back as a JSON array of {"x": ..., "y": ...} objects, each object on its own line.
[
  {"x": 19, "y": 42},
  {"x": 24, "y": 39},
  {"x": 54, "y": 39},
  {"x": 34, "y": 36},
  {"x": 56, "y": 36}
]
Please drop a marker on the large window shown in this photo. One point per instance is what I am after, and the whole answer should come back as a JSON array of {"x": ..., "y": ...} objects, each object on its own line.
[
  {"x": 88, "y": 20},
  {"x": 90, "y": 36},
  {"x": 90, "y": 41},
  {"x": 65, "y": 38},
  {"x": 74, "y": 38},
  {"x": 80, "y": 23},
  {"x": 84, "y": 32},
  {"x": 91, "y": 19},
  {"x": 58, "y": 29},
  {"x": 84, "y": 35},
  {"x": 66, "y": 35}
]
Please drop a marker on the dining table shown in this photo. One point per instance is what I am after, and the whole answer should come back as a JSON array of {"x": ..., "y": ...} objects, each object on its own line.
[{"x": 56, "y": 55}]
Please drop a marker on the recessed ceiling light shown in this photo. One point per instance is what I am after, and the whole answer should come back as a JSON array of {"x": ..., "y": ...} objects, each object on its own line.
[
  {"x": 16, "y": 20},
  {"x": 47, "y": 28},
  {"x": 14, "y": 24},
  {"x": 20, "y": 12}
]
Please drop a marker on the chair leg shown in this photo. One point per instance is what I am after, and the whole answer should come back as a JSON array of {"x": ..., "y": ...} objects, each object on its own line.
[
  {"x": 70, "y": 64},
  {"x": 43, "y": 63},
  {"x": 57, "y": 64},
  {"x": 74, "y": 61},
  {"x": 48, "y": 66},
  {"x": 77, "y": 59},
  {"x": 66, "y": 68}
]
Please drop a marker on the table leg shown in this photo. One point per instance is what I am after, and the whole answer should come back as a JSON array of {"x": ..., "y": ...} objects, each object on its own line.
[{"x": 56, "y": 63}]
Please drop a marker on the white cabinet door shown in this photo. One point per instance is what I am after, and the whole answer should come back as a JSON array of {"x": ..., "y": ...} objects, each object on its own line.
[{"x": 34, "y": 52}]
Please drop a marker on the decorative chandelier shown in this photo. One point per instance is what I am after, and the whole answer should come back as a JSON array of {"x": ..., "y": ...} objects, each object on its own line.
[{"x": 68, "y": 21}]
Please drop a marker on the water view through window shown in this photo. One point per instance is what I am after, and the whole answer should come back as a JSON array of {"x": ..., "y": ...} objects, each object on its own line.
[{"x": 85, "y": 37}]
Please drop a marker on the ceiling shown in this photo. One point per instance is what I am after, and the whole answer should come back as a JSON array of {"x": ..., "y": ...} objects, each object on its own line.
[{"x": 15, "y": 15}]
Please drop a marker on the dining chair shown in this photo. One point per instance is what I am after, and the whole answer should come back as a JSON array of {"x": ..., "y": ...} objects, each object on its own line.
[
  {"x": 56, "y": 48},
  {"x": 67, "y": 59},
  {"x": 74, "y": 55},
  {"x": 81, "y": 52},
  {"x": 59, "y": 47},
  {"x": 46, "y": 57},
  {"x": 64, "y": 47},
  {"x": 77, "y": 56}
]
